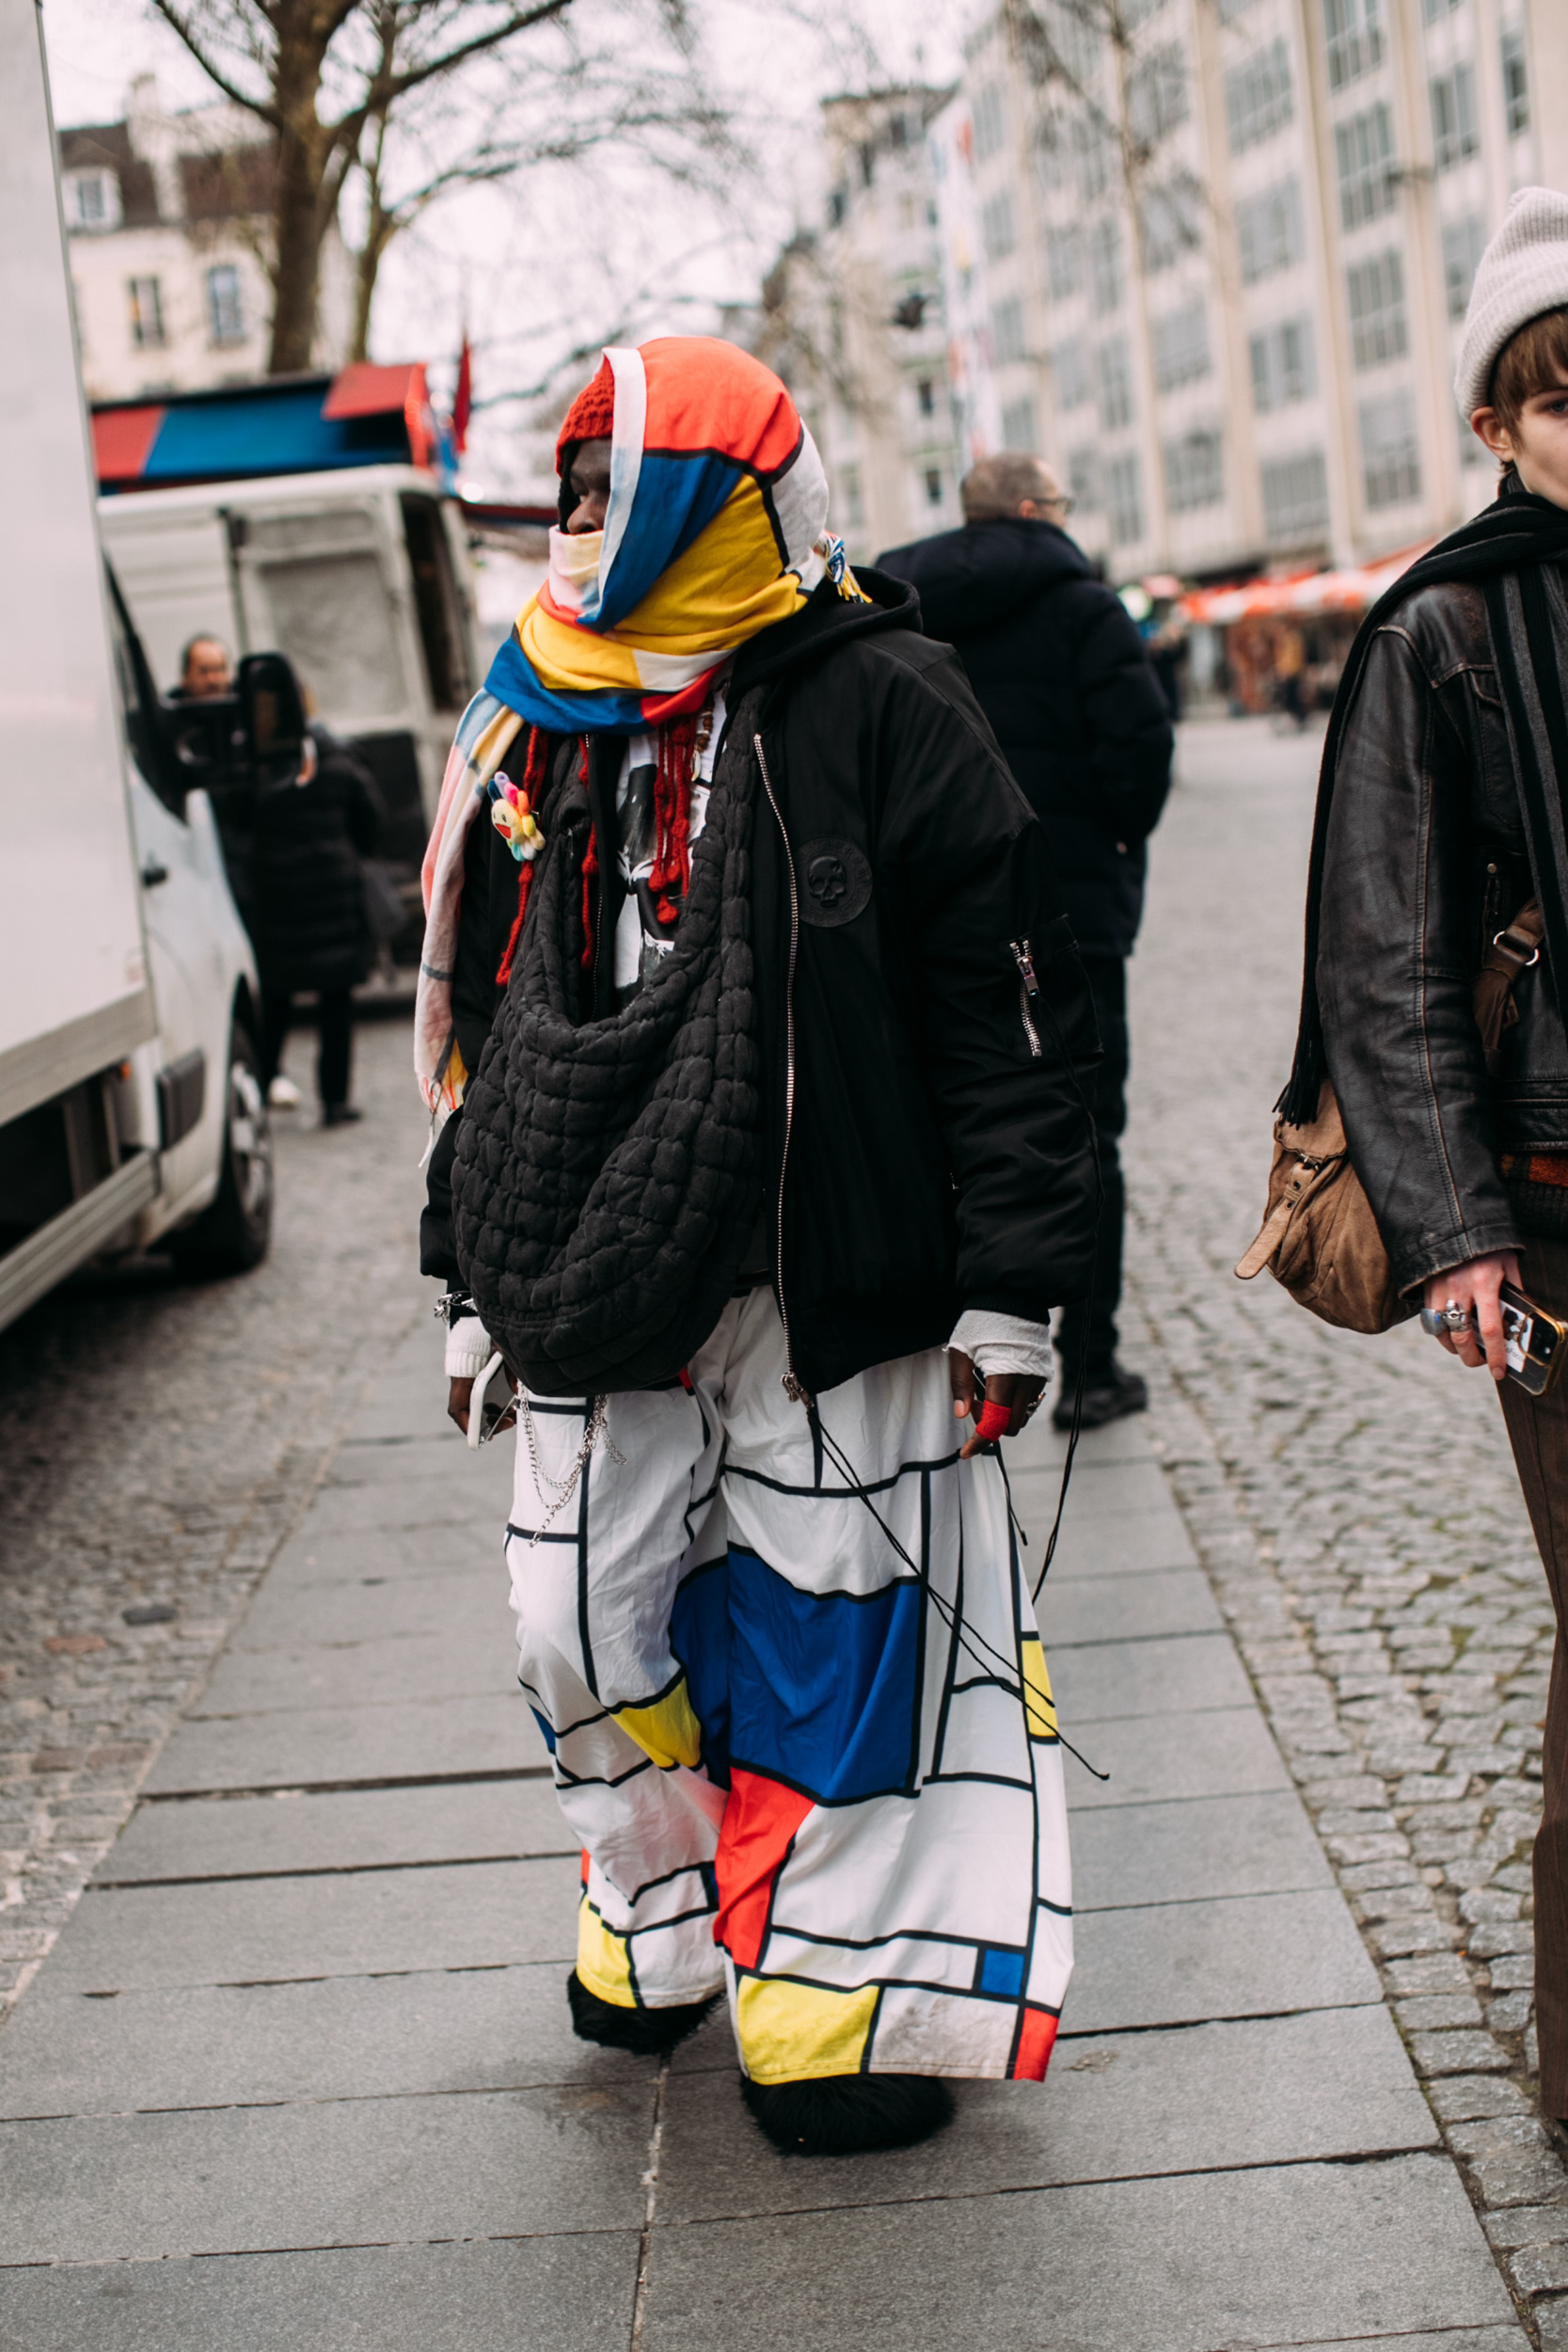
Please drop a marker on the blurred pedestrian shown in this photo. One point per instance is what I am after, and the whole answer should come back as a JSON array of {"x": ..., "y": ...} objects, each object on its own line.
[
  {"x": 1059, "y": 670},
  {"x": 308, "y": 913},
  {"x": 1438, "y": 874},
  {"x": 205, "y": 672},
  {"x": 773, "y": 1162},
  {"x": 1290, "y": 673}
]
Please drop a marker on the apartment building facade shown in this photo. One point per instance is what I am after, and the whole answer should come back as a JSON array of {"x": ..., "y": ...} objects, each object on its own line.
[
  {"x": 167, "y": 218},
  {"x": 853, "y": 319},
  {"x": 1215, "y": 266}
]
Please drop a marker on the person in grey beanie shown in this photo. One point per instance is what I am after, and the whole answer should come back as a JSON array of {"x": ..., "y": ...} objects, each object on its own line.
[{"x": 1437, "y": 979}]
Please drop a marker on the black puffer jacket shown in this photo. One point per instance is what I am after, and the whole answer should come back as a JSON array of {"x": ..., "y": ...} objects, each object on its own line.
[
  {"x": 1425, "y": 862},
  {"x": 306, "y": 910},
  {"x": 1060, "y": 672},
  {"x": 938, "y": 1155}
]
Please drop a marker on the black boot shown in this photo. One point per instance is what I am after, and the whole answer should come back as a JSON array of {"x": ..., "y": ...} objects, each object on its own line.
[
  {"x": 836, "y": 2114},
  {"x": 1109, "y": 1391},
  {"x": 646, "y": 2032}
]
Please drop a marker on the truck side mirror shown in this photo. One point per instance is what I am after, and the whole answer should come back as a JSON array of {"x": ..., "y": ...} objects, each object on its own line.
[{"x": 272, "y": 712}]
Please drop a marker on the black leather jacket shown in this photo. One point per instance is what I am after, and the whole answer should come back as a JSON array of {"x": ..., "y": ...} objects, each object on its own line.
[{"x": 1425, "y": 862}]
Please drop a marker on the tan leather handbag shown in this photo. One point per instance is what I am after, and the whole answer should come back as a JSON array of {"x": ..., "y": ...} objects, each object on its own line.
[{"x": 1318, "y": 1236}]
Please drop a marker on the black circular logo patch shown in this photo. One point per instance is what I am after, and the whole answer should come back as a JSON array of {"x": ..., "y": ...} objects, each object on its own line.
[{"x": 835, "y": 883}]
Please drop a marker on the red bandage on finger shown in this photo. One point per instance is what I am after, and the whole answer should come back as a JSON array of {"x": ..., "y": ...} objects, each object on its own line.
[{"x": 996, "y": 1421}]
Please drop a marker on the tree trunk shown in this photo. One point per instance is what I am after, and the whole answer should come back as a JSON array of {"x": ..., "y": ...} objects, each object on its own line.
[{"x": 300, "y": 213}]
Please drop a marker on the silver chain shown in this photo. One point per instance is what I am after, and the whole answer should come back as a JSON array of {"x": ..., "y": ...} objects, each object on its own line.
[{"x": 595, "y": 1427}]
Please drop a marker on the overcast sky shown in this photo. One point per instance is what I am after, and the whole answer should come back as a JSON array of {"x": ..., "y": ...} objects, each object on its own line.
[{"x": 558, "y": 258}]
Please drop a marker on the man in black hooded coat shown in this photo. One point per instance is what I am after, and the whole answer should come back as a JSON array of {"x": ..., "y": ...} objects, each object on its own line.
[{"x": 1060, "y": 672}]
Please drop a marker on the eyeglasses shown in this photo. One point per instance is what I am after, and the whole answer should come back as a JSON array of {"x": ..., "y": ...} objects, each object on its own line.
[{"x": 1064, "y": 503}]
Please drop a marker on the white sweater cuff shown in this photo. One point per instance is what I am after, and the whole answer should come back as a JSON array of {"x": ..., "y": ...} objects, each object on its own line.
[
  {"x": 995, "y": 1343},
  {"x": 468, "y": 1349}
]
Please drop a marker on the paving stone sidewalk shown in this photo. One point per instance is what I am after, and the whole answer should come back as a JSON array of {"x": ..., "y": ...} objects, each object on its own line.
[
  {"x": 298, "y": 2072},
  {"x": 1354, "y": 1501}
]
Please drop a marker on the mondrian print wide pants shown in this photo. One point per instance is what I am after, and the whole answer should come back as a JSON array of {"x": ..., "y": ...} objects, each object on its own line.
[{"x": 802, "y": 1765}]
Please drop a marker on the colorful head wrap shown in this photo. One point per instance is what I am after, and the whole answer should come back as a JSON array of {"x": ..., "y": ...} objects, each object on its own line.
[
  {"x": 717, "y": 502},
  {"x": 716, "y": 528}
]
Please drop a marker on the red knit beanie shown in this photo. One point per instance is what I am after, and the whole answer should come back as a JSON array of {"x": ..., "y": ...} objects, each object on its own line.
[{"x": 591, "y": 416}]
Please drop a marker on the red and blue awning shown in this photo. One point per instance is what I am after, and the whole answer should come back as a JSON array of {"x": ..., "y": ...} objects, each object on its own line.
[{"x": 363, "y": 415}]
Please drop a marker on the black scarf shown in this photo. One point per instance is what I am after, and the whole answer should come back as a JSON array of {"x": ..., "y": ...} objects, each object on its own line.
[
  {"x": 1504, "y": 549},
  {"x": 607, "y": 1179}
]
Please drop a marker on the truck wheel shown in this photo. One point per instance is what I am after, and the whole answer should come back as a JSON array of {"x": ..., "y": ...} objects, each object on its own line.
[{"x": 232, "y": 1235}]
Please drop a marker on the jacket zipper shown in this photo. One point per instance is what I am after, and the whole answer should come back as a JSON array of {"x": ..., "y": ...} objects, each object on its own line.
[
  {"x": 1027, "y": 987},
  {"x": 793, "y": 1388}
]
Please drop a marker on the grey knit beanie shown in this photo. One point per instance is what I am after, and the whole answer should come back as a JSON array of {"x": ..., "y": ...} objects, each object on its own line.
[{"x": 1523, "y": 272}]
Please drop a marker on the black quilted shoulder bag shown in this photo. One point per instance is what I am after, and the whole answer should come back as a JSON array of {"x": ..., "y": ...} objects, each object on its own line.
[{"x": 606, "y": 1177}]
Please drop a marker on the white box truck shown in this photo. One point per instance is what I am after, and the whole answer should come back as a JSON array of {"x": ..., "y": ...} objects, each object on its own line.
[{"x": 130, "y": 1102}]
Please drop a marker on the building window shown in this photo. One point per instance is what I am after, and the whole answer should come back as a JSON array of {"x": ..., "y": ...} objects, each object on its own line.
[
  {"x": 1124, "y": 501},
  {"x": 1355, "y": 32},
  {"x": 1019, "y": 429},
  {"x": 1075, "y": 377},
  {"x": 1105, "y": 264},
  {"x": 1157, "y": 96},
  {"x": 838, "y": 204},
  {"x": 1433, "y": 10},
  {"x": 996, "y": 227},
  {"x": 933, "y": 485},
  {"x": 91, "y": 200},
  {"x": 1082, "y": 479},
  {"x": 1007, "y": 332},
  {"x": 1065, "y": 257},
  {"x": 991, "y": 128},
  {"x": 926, "y": 397},
  {"x": 1113, "y": 371},
  {"x": 1097, "y": 157},
  {"x": 1363, "y": 155},
  {"x": 1454, "y": 135},
  {"x": 1258, "y": 96},
  {"x": 1170, "y": 222},
  {"x": 1515, "y": 87},
  {"x": 1296, "y": 498},
  {"x": 1283, "y": 368},
  {"x": 1268, "y": 231},
  {"x": 225, "y": 315},
  {"x": 1195, "y": 472},
  {"x": 1376, "y": 290},
  {"x": 147, "y": 313},
  {"x": 1180, "y": 346},
  {"x": 1391, "y": 454},
  {"x": 1464, "y": 242}
]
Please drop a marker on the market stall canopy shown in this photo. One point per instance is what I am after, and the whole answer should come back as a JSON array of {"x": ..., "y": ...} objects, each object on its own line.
[
  {"x": 362, "y": 416},
  {"x": 1300, "y": 594}
]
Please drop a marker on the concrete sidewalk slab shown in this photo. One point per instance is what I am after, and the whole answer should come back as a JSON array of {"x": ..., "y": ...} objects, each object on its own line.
[
  {"x": 315, "y": 1746},
  {"x": 1124, "y": 1856},
  {"x": 1134, "y": 1543},
  {"x": 224, "y": 1837},
  {"x": 312, "y": 1557},
  {"x": 252, "y": 1930},
  {"x": 377, "y": 1606},
  {"x": 1283, "y": 2255},
  {"x": 566, "y": 2293},
  {"x": 352, "y": 2171},
  {"x": 1223, "y": 1752},
  {"x": 462, "y": 1660},
  {"x": 1234, "y": 1956},
  {"x": 352, "y": 2037},
  {"x": 1142, "y": 1608},
  {"x": 1187, "y": 1674}
]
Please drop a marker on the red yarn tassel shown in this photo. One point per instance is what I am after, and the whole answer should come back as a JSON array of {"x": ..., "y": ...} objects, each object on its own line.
[
  {"x": 533, "y": 777},
  {"x": 672, "y": 867}
]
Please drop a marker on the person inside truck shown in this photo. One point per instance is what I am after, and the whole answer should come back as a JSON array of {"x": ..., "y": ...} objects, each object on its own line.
[{"x": 204, "y": 672}]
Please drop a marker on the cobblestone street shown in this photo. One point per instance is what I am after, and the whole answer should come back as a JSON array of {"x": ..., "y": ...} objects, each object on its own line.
[
  {"x": 158, "y": 1439},
  {"x": 1352, "y": 1498}
]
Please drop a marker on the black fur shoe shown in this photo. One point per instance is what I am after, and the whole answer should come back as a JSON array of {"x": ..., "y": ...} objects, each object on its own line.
[
  {"x": 836, "y": 2114},
  {"x": 646, "y": 2032}
]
